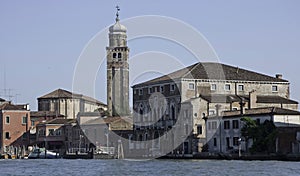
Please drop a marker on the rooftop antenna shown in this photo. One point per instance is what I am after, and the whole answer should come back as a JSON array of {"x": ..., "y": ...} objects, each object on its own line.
[
  {"x": 4, "y": 79},
  {"x": 16, "y": 97},
  {"x": 10, "y": 96}
]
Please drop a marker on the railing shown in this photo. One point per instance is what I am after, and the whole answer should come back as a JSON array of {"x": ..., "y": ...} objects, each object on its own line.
[{"x": 78, "y": 150}]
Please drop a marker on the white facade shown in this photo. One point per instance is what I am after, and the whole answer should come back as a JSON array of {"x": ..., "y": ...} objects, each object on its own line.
[{"x": 223, "y": 132}]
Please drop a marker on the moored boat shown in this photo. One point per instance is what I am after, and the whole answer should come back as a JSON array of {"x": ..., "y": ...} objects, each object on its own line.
[{"x": 42, "y": 153}]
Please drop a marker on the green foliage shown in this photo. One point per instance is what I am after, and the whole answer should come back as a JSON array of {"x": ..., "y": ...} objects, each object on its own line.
[
  {"x": 249, "y": 129},
  {"x": 263, "y": 135}
]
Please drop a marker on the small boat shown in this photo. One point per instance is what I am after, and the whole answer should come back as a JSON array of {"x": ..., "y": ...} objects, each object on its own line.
[{"x": 42, "y": 153}]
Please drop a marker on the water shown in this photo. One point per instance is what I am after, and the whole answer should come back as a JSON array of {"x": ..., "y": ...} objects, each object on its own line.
[{"x": 147, "y": 167}]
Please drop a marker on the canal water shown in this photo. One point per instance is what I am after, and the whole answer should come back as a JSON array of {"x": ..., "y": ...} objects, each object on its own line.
[{"x": 147, "y": 167}]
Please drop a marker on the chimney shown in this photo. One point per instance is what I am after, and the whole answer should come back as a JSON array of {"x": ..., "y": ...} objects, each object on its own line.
[
  {"x": 279, "y": 76},
  {"x": 218, "y": 109},
  {"x": 242, "y": 104},
  {"x": 252, "y": 99}
]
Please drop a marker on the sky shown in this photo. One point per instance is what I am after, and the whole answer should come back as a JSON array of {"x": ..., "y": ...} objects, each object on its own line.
[{"x": 42, "y": 41}]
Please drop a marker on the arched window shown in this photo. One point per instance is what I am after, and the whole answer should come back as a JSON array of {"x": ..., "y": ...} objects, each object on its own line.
[
  {"x": 154, "y": 115},
  {"x": 141, "y": 137},
  {"x": 156, "y": 141},
  {"x": 173, "y": 112},
  {"x": 162, "y": 113},
  {"x": 156, "y": 135},
  {"x": 141, "y": 115},
  {"x": 114, "y": 55},
  {"x": 119, "y": 55},
  {"x": 141, "y": 112}
]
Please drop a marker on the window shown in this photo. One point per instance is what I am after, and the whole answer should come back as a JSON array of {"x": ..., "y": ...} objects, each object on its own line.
[
  {"x": 235, "y": 124},
  {"x": 235, "y": 141},
  {"x": 213, "y": 87},
  {"x": 51, "y": 132},
  {"x": 227, "y": 87},
  {"x": 7, "y": 120},
  {"x": 172, "y": 87},
  {"x": 141, "y": 92},
  {"x": 161, "y": 88},
  {"x": 24, "y": 120},
  {"x": 32, "y": 123},
  {"x": 214, "y": 125},
  {"x": 199, "y": 129},
  {"x": 58, "y": 132},
  {"x": 7, "y": 135},
  {"x": 241, "y": 88},
  {"x": 228, "y": 142},
  {"x": 191, "y": 86},
  {"x": 119, "y": 55},
  {"x": 186, "y": 113},
  {"x": 173, "y": 112},
  {"x": 186, "y": 129},
  {"x": 226, "y": 124},
  {"x": 215, "y": 142},
  {"x": 114, "y": 55},
  {"x": 274, "y": 88},
  {"x": 41, "y": 132},
  {"x": 150, "y": 90}
]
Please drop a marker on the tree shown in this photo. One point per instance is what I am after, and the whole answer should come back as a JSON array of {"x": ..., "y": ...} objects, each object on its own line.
[
  {"x": 263, "y": 135},
  {"x": 249, "y": 129}
]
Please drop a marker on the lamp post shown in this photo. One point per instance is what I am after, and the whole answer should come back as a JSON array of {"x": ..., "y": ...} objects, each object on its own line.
[
  {"x": 240, "y": 142},
  {"x": 205, "y": 121},
  {"x": 80, "y": 136}
]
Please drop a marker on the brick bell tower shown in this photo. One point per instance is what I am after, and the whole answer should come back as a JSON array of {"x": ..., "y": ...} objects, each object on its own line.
[{"x": 117, "y": 70}]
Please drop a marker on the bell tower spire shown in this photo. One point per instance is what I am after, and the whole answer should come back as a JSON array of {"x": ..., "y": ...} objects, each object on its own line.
[{"x": 117, "y": 70}]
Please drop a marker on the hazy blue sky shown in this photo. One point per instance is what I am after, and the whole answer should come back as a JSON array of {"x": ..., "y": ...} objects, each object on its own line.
[{"x": 40, "y": 41}]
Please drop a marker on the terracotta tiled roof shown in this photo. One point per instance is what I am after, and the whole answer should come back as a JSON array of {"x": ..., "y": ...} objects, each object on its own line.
[
  {"x": 214, "y": 71},
  {"x": 96, "y": 121},
  {"x": 221, "y": 98},
  {"x": 9, "y": 106},
  {"x": 61, "y": 93},
  {"x": 59, "y": 121},
  {"x": 115, "y": 119},
  {"x": 275, "y": 99},
  {"x": 45, "y": 114},
  {"x": 260, "y": 111}
]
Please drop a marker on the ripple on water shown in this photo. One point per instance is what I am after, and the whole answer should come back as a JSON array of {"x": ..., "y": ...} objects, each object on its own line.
[{"x": 147, "y": 167}]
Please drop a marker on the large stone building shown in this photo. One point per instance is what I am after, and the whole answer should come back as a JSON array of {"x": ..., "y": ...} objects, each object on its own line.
[
  {"x": 183, "y": 98},
  {"x": 117, "y": 70},
  {"x": 68, "y": 104}
]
